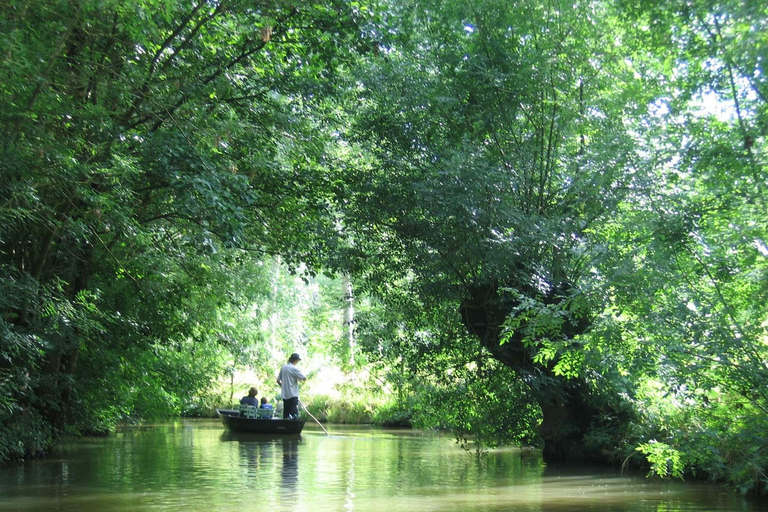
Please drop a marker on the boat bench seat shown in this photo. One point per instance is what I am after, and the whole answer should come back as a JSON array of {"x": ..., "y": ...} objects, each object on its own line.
[
  {"x": 249, "y": 411},
  {"x": 265, "y": 413}
]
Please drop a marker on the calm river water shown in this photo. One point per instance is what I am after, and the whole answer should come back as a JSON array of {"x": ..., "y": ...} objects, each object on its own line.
[{"x": 195, "y": 466}]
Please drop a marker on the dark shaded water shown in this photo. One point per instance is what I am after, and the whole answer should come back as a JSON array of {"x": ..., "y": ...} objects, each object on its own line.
[{"x": 196, "y": 466}]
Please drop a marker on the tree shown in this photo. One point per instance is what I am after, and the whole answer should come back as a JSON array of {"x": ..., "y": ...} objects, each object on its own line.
[
  {"x": 138, "y": 140},
  {"x": 499, "y": 142},
  {"x": 688, "y": 255}
]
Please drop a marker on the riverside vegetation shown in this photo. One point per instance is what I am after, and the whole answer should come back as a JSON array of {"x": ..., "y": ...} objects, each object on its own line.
[{"x": 528, "y": 222}]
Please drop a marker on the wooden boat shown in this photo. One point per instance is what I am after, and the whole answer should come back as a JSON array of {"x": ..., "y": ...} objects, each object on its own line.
[{"x": 237, "y": 422}]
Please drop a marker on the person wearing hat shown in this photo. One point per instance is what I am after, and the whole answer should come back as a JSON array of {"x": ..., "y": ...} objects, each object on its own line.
[{"x": 288, "y": 380}]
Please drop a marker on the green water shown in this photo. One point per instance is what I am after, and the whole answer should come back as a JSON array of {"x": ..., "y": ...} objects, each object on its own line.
[{"x": 196, "y": 466}]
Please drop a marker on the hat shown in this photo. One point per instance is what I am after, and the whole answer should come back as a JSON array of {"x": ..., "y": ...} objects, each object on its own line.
[{"x": 294, "y": 357}]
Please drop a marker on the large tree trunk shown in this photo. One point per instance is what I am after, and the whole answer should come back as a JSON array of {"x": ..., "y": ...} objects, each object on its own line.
[{"x": 565, "y": 403}]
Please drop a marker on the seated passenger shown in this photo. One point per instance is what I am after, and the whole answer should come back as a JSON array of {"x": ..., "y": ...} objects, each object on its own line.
[
  {"x": 265, "y": 403},
  {"x": 251, "y": 398}
]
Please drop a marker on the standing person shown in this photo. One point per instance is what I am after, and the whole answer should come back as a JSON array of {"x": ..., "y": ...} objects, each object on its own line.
[
  {"x": 251, "y": 398},
  {"x": 288, "y": 379}
]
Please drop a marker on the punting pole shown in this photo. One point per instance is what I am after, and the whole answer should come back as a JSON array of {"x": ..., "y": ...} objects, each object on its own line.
[{"x": 310, "y": 414}]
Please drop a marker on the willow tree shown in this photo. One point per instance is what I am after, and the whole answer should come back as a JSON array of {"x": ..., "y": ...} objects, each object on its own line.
[{"x": 498, "y": 140}]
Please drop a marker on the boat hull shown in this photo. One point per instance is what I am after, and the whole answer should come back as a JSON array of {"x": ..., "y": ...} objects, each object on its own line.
[{"x": 236, "y": 423}]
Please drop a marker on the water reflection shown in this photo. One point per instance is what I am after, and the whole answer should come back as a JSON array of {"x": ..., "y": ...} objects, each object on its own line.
[
  {"x": 290, "y": 470},
  {"x": 249, "y": 437},
  {"x": 259, "y": 454},
  {"x": 196, "y": 466}
]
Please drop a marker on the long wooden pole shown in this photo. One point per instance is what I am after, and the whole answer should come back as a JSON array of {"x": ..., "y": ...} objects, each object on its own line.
[{"x": 310, "y": 414}]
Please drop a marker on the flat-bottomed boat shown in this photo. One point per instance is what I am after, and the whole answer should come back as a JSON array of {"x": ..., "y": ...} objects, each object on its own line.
[{"x": 235, "y": 421}]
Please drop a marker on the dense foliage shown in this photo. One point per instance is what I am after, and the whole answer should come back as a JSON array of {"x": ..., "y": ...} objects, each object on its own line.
[
  {"x": 583, "y": 185},
  {"x": 151, "y": 152},
  {"x": 541, "y": 222}
]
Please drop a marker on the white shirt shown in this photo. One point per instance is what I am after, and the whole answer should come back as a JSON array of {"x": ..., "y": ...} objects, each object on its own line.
[{"x": 289, "y": 378}]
